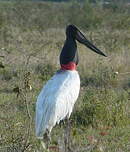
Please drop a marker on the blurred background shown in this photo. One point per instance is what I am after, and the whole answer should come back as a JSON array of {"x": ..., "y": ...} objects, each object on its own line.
[{"x": 32, "y": 34}]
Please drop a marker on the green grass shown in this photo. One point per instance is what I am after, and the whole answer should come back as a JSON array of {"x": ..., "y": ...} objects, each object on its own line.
[{"x": 31, "y": 38}]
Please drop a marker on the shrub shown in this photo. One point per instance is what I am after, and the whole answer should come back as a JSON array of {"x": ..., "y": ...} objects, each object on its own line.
[
  {"x": 7, "y": 74},
  {"x": 103, "y": 107},
  {"x": 101, "y": 76},
  {"x": 45, "y": 71}
]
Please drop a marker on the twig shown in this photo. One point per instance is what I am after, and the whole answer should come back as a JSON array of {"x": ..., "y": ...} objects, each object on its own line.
[{"x": 125, "y": 73}]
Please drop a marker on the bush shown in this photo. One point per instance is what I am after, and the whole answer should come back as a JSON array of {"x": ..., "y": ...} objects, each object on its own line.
[
  {"x": 45, "y": 71},
  {"x": 43, "y": 15},
  {"x": 101, "y": 76},
  {"x": 7, "y": 74},
  {"x": 103, "y": 107}
]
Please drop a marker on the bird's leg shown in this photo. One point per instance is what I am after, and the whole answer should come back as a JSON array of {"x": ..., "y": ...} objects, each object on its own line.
[
  {"x": 67, "y": 137},
  {"x": 47, "y": 138},
  {"x": 62, "y": 123}
]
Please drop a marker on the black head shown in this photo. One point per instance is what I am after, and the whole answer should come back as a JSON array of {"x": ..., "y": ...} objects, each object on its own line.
[
  {"x": 73, "y": 32},
  {"x": 69, "y": 51}
]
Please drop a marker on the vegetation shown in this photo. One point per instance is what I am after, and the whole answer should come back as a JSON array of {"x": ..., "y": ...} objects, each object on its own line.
[{"x": 31, "y": 37}]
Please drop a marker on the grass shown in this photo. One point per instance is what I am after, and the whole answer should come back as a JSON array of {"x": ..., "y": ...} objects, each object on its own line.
[{"x": 32, "y": 36}]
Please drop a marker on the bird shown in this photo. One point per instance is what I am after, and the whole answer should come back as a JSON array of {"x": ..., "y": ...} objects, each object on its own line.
[{"x": 57, "y": 98}]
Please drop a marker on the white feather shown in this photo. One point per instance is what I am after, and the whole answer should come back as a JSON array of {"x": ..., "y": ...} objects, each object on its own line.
[{"x": 56, "y": 100}]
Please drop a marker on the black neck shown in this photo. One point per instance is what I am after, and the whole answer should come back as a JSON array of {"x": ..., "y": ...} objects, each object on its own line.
[{"x": 69, "y": 52}]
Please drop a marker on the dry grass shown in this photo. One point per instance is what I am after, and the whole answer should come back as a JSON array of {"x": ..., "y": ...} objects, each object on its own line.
[{"x": 100, "y": 121}]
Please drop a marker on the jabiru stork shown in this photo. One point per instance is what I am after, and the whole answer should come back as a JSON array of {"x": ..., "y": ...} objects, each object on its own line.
[{"x": 57, "y": 98}]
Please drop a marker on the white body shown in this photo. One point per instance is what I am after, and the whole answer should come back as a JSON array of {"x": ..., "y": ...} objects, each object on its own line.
[{"x": 56, "y": 100}]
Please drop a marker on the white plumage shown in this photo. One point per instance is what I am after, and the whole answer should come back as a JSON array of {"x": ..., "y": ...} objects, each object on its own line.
[{"x": 56, "y": 100}]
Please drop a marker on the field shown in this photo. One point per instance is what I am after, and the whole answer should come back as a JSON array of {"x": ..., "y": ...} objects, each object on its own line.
[{"x": 31, "y": 37}]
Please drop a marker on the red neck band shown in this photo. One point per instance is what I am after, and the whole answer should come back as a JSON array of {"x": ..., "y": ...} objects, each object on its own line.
[{"x": 70, "y": 66}]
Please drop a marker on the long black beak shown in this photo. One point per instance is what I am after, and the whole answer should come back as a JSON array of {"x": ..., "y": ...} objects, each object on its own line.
[{"x": 82, "y": 39}]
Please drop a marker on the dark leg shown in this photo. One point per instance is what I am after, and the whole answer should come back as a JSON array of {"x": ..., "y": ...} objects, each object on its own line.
[
  {"x": 47, "y": 138},
  {"x": 62, "y": 123},
  {"x": 67, "y": 136}
]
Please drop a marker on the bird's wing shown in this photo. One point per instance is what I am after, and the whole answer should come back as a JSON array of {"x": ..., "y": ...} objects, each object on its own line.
[{"x": 56, "y": 100}]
